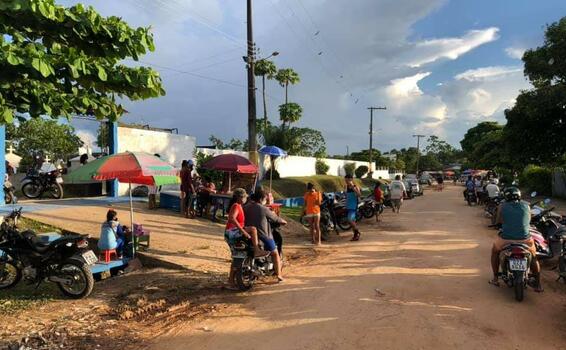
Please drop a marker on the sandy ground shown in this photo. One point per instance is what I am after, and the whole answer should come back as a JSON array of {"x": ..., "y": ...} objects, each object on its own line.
[{"x": 416, "y": 281}]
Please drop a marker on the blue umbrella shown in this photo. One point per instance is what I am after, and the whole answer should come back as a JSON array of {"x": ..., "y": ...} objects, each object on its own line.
[{"x": 272, "y": 151}]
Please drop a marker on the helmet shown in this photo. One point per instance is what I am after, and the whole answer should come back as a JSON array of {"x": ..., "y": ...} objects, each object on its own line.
[
  {"x": 190, "y": 162},
  {"x": 512, "y": 194},
  {"x": 494, "y": 181}
]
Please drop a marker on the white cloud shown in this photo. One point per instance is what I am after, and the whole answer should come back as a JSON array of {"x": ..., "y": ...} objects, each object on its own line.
[
  {"x": 406, "y": 87},
  {"x": 515, "y": 52},
  {"x": 431, "y": 50},
  {"x": 486, "y": 73}
]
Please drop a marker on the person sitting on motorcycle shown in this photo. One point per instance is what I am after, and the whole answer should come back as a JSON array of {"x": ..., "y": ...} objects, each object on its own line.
[
  {"x": 259, "y": 216},
  {"x": 378, "y": 196},
  {"x": 112, "y": 235},
  {"x": 352, "y": 195},
  {"x": 514, "y": 215},
  {"x": 470, "y": 187},
  {"x": 235, "y": 227},
  {"x": 492, "y": 189},
  {"x": 311, "y": 211}
]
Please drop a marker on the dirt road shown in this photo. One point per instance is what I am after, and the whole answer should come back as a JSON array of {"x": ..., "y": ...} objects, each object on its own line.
[{"x": 416, "y": 281}]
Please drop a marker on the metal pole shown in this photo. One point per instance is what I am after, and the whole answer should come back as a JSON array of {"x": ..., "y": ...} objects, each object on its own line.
[
  {"x": 371, "y": 109},
  {"x": 132, "y": 221},
  {"x": 418, "y": 151},
  {"x": 252, "y": 138}
]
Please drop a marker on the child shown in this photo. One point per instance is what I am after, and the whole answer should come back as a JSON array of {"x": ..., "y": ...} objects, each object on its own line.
[{"x": 378, "y": 196}]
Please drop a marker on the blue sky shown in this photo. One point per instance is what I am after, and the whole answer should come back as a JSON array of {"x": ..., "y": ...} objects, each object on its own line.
[{"x": 439, "y": 66}]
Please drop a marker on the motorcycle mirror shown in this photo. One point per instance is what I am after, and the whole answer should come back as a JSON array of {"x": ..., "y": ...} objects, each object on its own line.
[
  {"x": 547, "y": 201},
  {"x": 533, "y": 194}
]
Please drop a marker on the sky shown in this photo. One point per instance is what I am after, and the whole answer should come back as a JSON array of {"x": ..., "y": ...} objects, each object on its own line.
[{"x": 438, "y": 66}]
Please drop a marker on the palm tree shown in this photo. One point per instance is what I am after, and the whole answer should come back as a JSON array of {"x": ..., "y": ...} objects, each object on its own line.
[
  {"x": 285, "y": 77},
  {"x": 290, "y": 113},
  {"x": 265, "y": 68}
]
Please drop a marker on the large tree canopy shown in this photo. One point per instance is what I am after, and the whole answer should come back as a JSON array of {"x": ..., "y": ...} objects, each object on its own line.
[
  {"x": 474, "y": 135},
  {"x": 60, "y": 61}
]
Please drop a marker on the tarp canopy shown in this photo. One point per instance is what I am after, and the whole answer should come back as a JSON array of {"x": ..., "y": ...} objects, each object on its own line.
[{"x": 231, "y": 163}]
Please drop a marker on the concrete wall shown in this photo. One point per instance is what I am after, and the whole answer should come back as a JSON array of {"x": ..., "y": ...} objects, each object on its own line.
[
  {"x": 293, "y": 166},
  {"x": 172, "y": 148}
]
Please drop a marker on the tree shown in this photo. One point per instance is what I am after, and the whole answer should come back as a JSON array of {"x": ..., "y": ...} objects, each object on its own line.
[
  {"x": 233, "y": 144},
  {"x": 290, "y": 113},
  {"x": 102, "y": 137},
  {"x": 476, "y": 134},
  {"x": 321, "y": 167},
  {"x": 444, "y": 153},
  {"x": 305, "y": 142},
  {"x": 263, "y": 69},
  {"x": 58, "y": 61},
  {"x": 287, "y": 77},
  {"x": 361, "y": 171},
  {"x": 536, "y": 125},
  {"x": 39, "y": 136}
]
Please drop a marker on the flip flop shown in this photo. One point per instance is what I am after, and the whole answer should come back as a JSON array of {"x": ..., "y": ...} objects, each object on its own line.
[{"x": 494, "y": 283}]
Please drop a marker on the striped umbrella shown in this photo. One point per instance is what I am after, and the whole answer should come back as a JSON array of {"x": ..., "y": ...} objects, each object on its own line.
[{"x": 130, "y": 168}]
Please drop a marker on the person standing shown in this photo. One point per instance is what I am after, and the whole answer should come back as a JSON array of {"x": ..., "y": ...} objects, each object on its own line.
[
  {"x": 185, "y": 176},
  {"x": 398, "y": 192},
  {"x": 353, "y": 194},
  {"x": 311, "y": 211},
  {"x": 378, "y": 196},
  {"x": 152, "y": 193}
]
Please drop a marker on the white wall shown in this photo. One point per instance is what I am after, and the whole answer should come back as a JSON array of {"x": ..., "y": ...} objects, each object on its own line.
[
  {"x": 293, "y": 166},
  {"x": 172, "y": 148}
]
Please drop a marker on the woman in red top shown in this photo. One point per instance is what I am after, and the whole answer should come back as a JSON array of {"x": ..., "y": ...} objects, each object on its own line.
[{"x": 235, "y": 227}]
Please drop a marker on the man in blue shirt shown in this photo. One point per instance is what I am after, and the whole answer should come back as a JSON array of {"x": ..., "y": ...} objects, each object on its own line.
[
  {"x": 353, "y": 193},
  {"x": 514, "y": 216}
]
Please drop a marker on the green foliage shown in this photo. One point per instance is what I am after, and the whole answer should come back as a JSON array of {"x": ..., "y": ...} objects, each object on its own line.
[
  {"x": 476, "y": 134},
  {"x": 536, "y": 178},
  {"x": 233, "y": 144},
  {"x": 349, "y": 168},
  {"x": 265, "y": 68},
  {"x": 321, "y": 167},
  {"x": 214, "y": 175},
  {"x": 361, "y": 171},
  {"x": 304, "y": 142},
  {"x": 441, "y": 152},
  {"x": 102, "y": 136},
  {"x": 60, "y": 61},
  {"x": 290, "y": 113},
  {"x": 38, "y": 136},
  {"x": 296, "y": 186}
]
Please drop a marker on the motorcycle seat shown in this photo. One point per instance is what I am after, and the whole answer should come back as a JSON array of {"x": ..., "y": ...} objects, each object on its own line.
[
  {"x": 35, "y": 242},
  {"x": 517, "y": 245}
]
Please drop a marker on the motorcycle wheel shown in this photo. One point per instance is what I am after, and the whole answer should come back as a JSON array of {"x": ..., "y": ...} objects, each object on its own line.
[
  {"x": 31, "y": 190},
  {"x": 368, "y": 211},
  {"x": 344, "y": 224},
  {"x": 56, "y": 191},
  {"x": 10, "y": 275},
  {"x": 519, "y": 285},
  {"x": 8, "y": 197},
  {"x": 83, "y": 281},
  {"x": 244, "y": 274}
]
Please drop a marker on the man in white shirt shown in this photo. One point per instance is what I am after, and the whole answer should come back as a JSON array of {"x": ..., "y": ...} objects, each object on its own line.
[
  {"x": 397, "y": 190},
  {"x": 492, "y": 189}
]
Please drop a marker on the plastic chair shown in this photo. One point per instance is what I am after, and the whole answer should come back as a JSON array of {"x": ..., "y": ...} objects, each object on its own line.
[{"x": 107, "y": 255}]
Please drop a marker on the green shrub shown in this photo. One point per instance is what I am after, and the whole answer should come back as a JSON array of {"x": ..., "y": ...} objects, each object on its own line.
[
  {"x": 349, "y": 168},
  {"x": 215, "y": 175},
  {"x": 321, "y": 167},
  {"x": 361, "y": 171},
  {"x": 536, "y": 178}
]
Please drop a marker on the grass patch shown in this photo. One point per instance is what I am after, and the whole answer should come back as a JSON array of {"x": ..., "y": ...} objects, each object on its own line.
[
  {"x": 25, "y": 297},
  {"x": 36, "y": 226},
  {"x": 296, "y": 186},
  {"x": 292, "y": 213}
]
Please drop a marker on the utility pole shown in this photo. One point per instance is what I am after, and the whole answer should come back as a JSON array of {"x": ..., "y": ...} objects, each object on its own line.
[
  {"x": 252, "y": 125},
  {"x": 418, "y": 151},
  {"x": 371, "y": 109}
]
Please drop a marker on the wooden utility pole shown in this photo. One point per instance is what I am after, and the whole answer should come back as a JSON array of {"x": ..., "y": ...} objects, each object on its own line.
[
  {"x": 371, "y": 109},
  {"x": 418, "y": 151},
  {"x": 252, "y": 125}
]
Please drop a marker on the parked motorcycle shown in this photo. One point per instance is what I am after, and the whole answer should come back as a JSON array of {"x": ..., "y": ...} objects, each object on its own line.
[
  {"x": 64, "y": 261},
  {"x": 36, "y": 183},
  {"x": 369, "y": 207},
  {"x": 248, "y": 268},
  {"x": 9, "y": 190}
]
